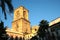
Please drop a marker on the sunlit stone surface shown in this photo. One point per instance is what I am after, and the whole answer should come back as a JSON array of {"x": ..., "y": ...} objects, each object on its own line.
[{"x": 20, "y": 23}]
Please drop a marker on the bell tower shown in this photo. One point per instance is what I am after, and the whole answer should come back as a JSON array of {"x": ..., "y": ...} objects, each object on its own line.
[{"x": 21, "y": 22}]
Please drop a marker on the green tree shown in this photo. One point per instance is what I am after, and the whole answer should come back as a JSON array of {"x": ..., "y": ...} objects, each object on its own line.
[
  {"x": 2, "y": 31},
  {"x": 3, "y": 35},
  {"x": 9, "y": 4},
  {"x": 43, "y": 26}
]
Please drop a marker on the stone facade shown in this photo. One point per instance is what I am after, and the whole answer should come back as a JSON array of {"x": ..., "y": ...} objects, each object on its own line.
[{"x": 20, "y": 24}]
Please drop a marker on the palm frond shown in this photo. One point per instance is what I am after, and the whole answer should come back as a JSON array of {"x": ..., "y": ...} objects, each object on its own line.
[
  {"x": 3, "y": 8},
  {"x": 10, "y": 7},
  {"x": 8, "y": 2}
]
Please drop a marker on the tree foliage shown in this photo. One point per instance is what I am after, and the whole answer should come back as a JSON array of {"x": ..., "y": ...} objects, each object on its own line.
[
  {"x": 41, "y": 33},
  {"x": 9, "y": 4},
  {"x": 43, "y": 25},
  {"x": 2, "y": 31}
]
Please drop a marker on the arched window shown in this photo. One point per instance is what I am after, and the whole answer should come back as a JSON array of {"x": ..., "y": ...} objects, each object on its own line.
[
  {"x": 11, "y": 38},
  {"x": 35, "y": 29},
  {"x": 20, "y": 38},
  {"x": 16, "y": 38},
  {"x": 24, "y": 14}
]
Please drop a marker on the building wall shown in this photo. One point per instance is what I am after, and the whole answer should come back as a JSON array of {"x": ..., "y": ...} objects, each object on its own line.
[{"x": 20, "y": 24}]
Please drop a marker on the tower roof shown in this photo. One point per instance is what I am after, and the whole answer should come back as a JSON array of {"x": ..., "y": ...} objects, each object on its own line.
[{"x": 20, "y": 7}]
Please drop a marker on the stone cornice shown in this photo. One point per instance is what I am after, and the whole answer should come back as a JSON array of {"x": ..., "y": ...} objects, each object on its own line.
[{"x": 20, "y": 19}]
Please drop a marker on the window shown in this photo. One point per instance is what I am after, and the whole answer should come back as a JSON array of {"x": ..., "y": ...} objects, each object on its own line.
[
  {"x": 24, "y": 14},
  {"x": 35, "y": 29}
]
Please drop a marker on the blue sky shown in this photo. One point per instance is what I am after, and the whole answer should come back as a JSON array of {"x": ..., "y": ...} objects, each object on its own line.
[{"x": 38, "y": 10}]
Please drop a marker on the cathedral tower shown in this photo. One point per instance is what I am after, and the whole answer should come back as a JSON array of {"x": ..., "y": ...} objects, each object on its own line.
[{"x": 21, "y": 22}]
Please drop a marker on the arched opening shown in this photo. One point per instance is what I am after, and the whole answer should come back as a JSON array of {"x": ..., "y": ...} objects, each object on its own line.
[
  {"x": 35, "y": 29},
  {"x": 24, "y": 14},
  {"x": 11, "y": 38},
  {"x": 16, "y": 38},
  {"x": 20, "y": 38}
]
